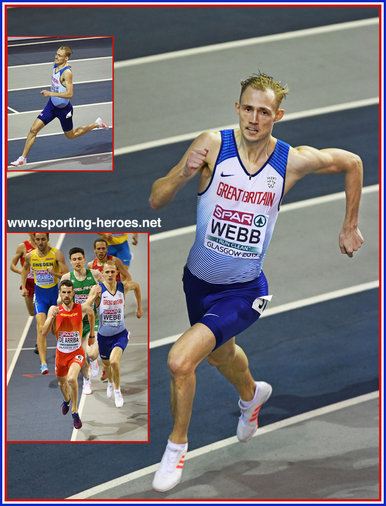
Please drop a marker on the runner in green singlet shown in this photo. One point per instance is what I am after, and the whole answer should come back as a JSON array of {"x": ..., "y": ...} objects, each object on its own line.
[{"x": 83, "y": 280}]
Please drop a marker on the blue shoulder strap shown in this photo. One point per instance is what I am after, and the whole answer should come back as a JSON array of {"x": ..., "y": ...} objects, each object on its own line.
[
  {"x": 279, "y": 157},
  {"x": 228, "y": 146}
]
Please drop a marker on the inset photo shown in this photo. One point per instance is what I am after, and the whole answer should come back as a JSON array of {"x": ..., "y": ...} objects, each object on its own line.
[
  {"x": 77, "y": 343},
  {"x": 60, "y": 103}
]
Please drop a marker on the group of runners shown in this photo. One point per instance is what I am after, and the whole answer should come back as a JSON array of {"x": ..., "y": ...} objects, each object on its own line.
[{"x": 83, "y": 308}]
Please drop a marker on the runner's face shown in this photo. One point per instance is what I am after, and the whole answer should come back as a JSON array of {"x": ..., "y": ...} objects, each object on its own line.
[
  {"x": 77, "y": 261},
  {"x": 100, "y": 250},
  {"x": 257, "y": 112},
  {"x": 60, "y": 57},
  {"x": 110, "y": 273},
  {"x": 66, "y": 294},
  {"x": 41, "y": 241}
]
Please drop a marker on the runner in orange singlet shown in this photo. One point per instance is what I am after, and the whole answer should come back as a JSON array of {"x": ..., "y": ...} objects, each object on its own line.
[{"x": 65, "y": 321}]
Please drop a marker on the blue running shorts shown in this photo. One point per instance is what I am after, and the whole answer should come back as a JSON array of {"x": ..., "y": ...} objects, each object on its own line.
[
  {"x": 64, "y": 115},
  {"x": 121, "y": 251},
  {"x": 44, "y": 298},
  {"x": 107, "y": 343},
  {"x": 225, "y": 309}
]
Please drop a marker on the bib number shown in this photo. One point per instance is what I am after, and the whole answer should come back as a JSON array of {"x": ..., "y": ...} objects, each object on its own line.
[{"x": 236, "y": 233}]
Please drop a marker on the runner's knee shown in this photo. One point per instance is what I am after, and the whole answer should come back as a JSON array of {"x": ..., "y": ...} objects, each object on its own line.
[
  {"x": 70, "y": 134},
  {"x": 179, "y": 365},
  {"x": 72, "y": 380}
]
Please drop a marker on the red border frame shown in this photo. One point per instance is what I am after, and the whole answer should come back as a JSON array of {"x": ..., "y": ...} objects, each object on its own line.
[
  {"x": 6, "y": 165},
  {"x": 6, "y": 274},
  {"x": 279, "y": 4}
]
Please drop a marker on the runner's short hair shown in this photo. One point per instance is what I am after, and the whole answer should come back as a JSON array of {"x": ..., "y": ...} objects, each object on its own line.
[
  {"x": 110, "y": 262},
  {"x": 47, "y": 234},
  {"x": 75, "y": 250},
  {"x": 66, "y": 282},
  {"x": 263, "y": 82},
  {"x": 100, "y": 240},
  {"x": 67, "y": 50}
]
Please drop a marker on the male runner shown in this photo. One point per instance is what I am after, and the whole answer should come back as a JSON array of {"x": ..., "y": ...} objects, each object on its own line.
[
  {"x": 48, "y": 266},
  {"x": 22, "y": 250},
  {"x": 113, "y": 336},
  {"x": 101, "y": 257},
  {"x": 65, "y": 321},
  {"x": 244, "y": 173},
  {"x": 83, "y": 280},
  {"x": 118, "y": 245},
  {"x": 58, "y": 106}
]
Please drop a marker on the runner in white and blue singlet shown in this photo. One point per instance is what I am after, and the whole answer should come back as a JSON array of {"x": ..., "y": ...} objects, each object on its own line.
[
  {"x": 244, "y": 174},
  {"x": 113, "y": 337},
  {"x": 58, "y": 106}
]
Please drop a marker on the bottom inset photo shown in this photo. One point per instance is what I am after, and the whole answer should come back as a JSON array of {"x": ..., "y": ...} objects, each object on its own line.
[{"x": 77, "y": 344}]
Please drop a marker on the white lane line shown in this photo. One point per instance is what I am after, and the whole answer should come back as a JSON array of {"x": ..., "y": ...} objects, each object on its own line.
[
  {"x": 290, "y": 306},
  {"x": 48, "y": 85},
  {"x": 81, "y": 39},
  {"x": 51, "y": 62},
  {"x": 27, "y": 326},
  {"x": 288, "y": 117},
  {"x": 286, "y": 207},
  {"x": 11, "y": 174},
  {"x": 282, "y": 424},
  {"x": 13, "y": 110},
  {"x": 247, "y": 42}
]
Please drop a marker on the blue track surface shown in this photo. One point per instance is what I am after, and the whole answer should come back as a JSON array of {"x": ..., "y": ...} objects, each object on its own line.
[
  {"x": 86, "y": 93},
  {"x": 294, "y": 358},
  {"x": 134, "y": 174}
]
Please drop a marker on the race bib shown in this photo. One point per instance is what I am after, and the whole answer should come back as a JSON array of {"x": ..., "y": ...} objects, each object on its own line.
[
  {"x": 261, "y": 303},
  {"x": 43, "y": 277},
  {"x": 80, "y": 298},
  {"x": 112, "y": 317},
  {"x": 236, "y": 233},
  {"x": 68, "y": 341}
]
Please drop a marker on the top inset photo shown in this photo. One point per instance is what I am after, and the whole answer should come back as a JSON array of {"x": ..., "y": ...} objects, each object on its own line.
[{"x": 60, "y": 104}]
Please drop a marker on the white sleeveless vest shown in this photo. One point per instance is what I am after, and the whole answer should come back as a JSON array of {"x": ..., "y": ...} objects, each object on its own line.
[{"x": 236, "y": 216}]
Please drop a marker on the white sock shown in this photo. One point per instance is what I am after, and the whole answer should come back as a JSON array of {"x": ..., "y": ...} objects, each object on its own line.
[
  {"x": 117, "y": 391},
  {"x": 246, "y": 404},
  {"x": 175, "y": 446}
]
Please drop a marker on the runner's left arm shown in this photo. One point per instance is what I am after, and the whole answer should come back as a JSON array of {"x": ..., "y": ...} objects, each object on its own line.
[
  {"x": 123, "y": 270},
  {"x": 88, "y": 310},
  {"x": 63, "y": 269},
  {"x": 133, "y": 285},
  {"x": 305, "y": 160}
]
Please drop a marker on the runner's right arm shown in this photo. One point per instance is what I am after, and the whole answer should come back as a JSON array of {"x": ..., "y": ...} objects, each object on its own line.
[
  {"x": 20, "y": 252},
  {"x": 48, "y": 324},
  {"x": 195, "y": 159}
]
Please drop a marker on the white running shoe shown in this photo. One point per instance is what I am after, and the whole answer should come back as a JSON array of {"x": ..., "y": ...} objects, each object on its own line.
[
  {"x": 102, "y": 124},
  {"x": 110, "y": 389},
  {"x": 87, "y": 390},
  {"x": 248, "y": 421},
  {"x": 169, "y": 472},
  {"x": 118, "y": 398},
  {"x": 94, "y": 366},
  {"x": 20, "y": 161}
]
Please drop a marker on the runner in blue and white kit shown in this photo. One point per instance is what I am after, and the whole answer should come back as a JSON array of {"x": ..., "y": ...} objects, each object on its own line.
[
  {"x": 58, "y": 106},
  {"x": 113, "y": 337},
  {"x": 244, "y": 174}
]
